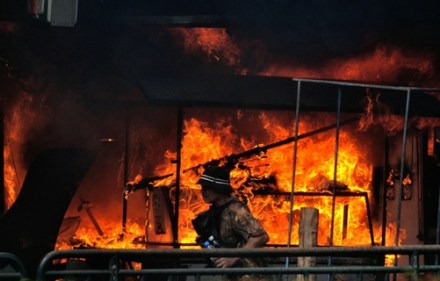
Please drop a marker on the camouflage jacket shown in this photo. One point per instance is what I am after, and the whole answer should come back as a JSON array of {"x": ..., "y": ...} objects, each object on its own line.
[{"x": 235, "y": 225}]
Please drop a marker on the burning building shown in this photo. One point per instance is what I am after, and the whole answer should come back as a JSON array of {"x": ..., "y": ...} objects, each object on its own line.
[{"x": 156, "y": 106}]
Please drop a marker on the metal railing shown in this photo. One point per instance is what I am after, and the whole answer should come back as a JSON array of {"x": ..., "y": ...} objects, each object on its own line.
[
  {"x": 176, "y": 262},
  {"x": 11, "y": 267}
]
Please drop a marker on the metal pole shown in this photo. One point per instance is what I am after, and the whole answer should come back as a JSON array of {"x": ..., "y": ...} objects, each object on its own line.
[
  {"x": 370, "y": 222},
  {"x": 335, "y": 174},
  {"x": 437, "y": 233},
  {"x": 384, "y": 194},
  {"x": 402, "y": 166},
  {"x": 178, "y": 168},
  {"x": 335, "y": 168},
  {"x": 126, "y": 156},
  {"x": 2, "y": 158},
  {"x": 295, "y": 151}
]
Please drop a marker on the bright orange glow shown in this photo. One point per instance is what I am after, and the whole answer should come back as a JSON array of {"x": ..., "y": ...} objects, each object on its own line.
[
  {"x": 11, "y": 185},
  {"x": 407, "y": 180},
  {"x": 113, "y": 238},
  {"x": 314, "y": 173},
  {"x": 213, "y": 43},
  {"x": 19, "y": 120},
  {"x": 386, "y": 64},
  {"x": 270, "y": 170}
]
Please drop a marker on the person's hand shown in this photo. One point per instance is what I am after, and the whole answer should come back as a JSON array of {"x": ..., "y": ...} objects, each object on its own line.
[{"x": 225, "y": 262}]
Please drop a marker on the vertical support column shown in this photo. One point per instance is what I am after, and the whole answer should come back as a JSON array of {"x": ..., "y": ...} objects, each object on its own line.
[
  {"x": 437, "y": 232},
  {"x": 402, "y": 167},
  {"x": 335, "y": 168},
  {"x": 335, "y": 176},
  {"x": 384, "y": 194},
  {"x": 2, "y": 158},
  {"x": 345, "y": 221},
  {"x": 400, "y": 187},
  {"x": 178, "y": 168},
  {"x": 308, "y": 233},
  {"x": 295, "y": 152},
  {"x": 126, "y": 157}
]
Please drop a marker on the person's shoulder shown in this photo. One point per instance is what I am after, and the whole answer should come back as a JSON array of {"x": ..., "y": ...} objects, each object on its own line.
[{"x": 236, "y": 205}]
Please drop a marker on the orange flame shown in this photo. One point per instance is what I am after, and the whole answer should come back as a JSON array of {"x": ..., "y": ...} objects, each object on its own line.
[
  {"x": 19, "y": 120},
  {"x": 314, "y": 173},
  {"x": 11, "y": 186},
  {"x": 214, "y": 43},
  {"x": 386, "y": 64},
  {"x": 315, "y": 168},
  {"x": 407, "y": 180}
]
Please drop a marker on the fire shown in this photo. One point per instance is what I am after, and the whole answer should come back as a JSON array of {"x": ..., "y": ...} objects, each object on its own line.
[
  {"x": 203, "y": 142},
  {"x": 314, "y": 173},
  {"x": 113, "y": 238},
  {"x": 386, "y": 64},
  {"x": 407, "y": 180},
  {"x": 214, "y": 43},
  {"x": 378, "y": 113},
  {"x": 11, "y": 185},
  {"x": 268, "y": 170},
  {"x": 20, "y": 120}
]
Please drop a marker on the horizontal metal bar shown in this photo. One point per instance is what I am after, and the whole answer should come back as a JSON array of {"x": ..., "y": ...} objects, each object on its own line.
[
  {"x": 243, "y": 270},
  {"x": 317, "y": 194},
  {"x": 178, "y": 255},
  {"x": 182, "y": 253},
  {"x": 11, "y": 275},
  {"x": 366, "y": 85}
]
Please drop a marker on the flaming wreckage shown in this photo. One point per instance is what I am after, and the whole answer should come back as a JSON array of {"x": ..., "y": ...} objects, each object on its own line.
[{"x": 345, "y": 217}]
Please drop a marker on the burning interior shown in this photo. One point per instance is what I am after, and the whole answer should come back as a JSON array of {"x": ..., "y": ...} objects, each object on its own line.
[
  {"x": 345, "y": 152},
  {"x": 365, "y": 155}
]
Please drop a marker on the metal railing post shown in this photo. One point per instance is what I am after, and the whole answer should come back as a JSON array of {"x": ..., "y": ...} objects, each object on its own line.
[
  {"x": 114, "y": 269},
  {"x": 16, "y": 263},
  {"x": 414, "y": 261}
]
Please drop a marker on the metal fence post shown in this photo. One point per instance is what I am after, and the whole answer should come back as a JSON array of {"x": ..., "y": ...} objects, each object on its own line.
[{"x": 114, "y": 269}]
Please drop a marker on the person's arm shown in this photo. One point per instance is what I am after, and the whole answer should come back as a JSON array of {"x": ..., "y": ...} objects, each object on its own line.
[
  {"x": 253, "y": 242},
  {"x": 257, "y": 242},
  {"x": 248, "y": 226}
]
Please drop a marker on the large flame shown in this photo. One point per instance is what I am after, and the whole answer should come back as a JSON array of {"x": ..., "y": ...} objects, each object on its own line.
[
  {"x": 20, "y": 120},
  {"x": 314, "y": 173},
  {"x": 12, "y": 186},
  {"x": 272, "y": 170},
  {"x": 385, "y": 64},
  {"x": 315, "y": 166}
]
